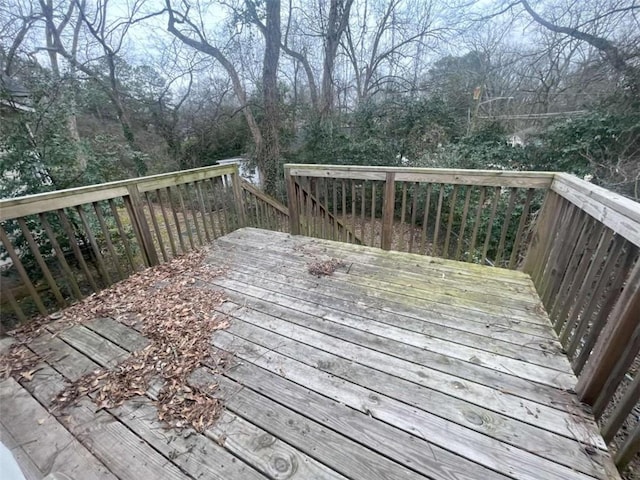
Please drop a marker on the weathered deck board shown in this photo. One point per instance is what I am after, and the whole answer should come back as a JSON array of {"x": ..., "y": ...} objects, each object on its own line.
[
  {"x": 439, "y": 432},
  {"x": 396, "y": 367},
  {"x": 48, "y": 446},
  {"x": 283, "y": 263},
  {"x": 443, "y": 392},
  {"x": 458, "y": 299}
]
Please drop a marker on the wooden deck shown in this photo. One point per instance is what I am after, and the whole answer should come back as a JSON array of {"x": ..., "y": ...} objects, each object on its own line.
[{"x": 398, "y": 366}]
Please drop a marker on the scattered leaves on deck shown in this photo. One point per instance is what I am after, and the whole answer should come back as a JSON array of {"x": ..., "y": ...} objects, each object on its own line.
[
  {"x": 171, "y": 308},
  {"x": 327, "y": 267},
  {"x": 18, "y": 362}
]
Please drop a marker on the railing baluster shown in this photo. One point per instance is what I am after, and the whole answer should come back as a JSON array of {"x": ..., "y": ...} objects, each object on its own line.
[
  {"x": 505, "y": 225},
  {"x": 167, "y": 225},
  {"x": 414, "y": 205},
  {"x": 568, "y": 273},
  {"x": 71, "y": 279},
  {"x": 373, "y": 214},
  {"x": 104, "y": 273},
  {"x": 24, "y": 276},
  {"x": 620, "y": 334},
  {"x": 492, "y": 216},
  {"x": 629, "y": 448},
  {"x": 476, "y": 224},
  {"x": 41, "y": 263},
  {"x": 524, "y": 217},
  {"x": 22, "y": 318},
  {"x": 463, "y": 223},
  {"x": 123, "y": 235},
  {"x": 194, "y": 212},
  {"x": 363, "y": 200},
  {"x": 425, "y": 220},
  {"x": 185, "y": 218},
  {"x": 107, "y": 238},
  {"x": 403, "y": 226},
  {"x": 388, "y": 207},
  {"x": 622, "y": 410},
  {"x": 435, "y": 248},
  {"x": 589, "y": 263},
  {"x": 156, "y": 227},
  {"x": 203, "y": 211},
  {"x": 176, "y": 219},
  {"x": 71, "y": 235},
  {"x": 452, "y": 211}
]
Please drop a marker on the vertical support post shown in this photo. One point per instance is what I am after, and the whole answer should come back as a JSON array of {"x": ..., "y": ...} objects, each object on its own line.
[
  {"x": 542, "y": 233},
  {"x": 621, "y": 333},
  {"x": 237, "y": 195},
  {"x": 141, "y": 226},
  {"x": 388, "y": 207},
  {"x": 292, "y": 201}
]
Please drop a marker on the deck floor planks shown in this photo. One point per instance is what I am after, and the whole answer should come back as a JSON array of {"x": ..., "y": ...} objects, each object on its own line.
[
  {"x": 398, "y": 327},
  {"x": 472, "y": 270},
  {"x": 323, "y": 355},
  {"x": 368, "y": 265},
  {"x": 547, "y": 368},
  {"x": 365, "y": 374},
  {"x": 281, "y": 265},
  {"x": 372, "y": 262},
  {"x": 458, "y": 299},
  {"x": 503, "y": 380},
  {"x": 440, "y": 432},
  {"x": 47, "y": 444}
]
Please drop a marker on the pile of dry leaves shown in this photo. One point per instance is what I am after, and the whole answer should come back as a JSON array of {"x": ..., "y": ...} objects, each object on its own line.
[
  {"x": 320, "y": 269},
  {"x": 176, "y": 313}
]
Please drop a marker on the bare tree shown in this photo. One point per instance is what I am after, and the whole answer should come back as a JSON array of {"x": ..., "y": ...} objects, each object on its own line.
[
  {"x": 191, "y": 31},
  {"x": 384, "y": 41}
]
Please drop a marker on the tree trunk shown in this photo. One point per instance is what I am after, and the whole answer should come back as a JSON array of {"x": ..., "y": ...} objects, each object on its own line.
[
  {"x": 268, "y": 156},
  {"x": 339, "y": 12}
]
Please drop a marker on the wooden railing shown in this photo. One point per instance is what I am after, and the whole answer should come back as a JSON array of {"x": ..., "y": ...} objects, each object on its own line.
[
  {"x": 262, "y": 211},
  {"x": 469, "y": 215},
  {"x": 584, "y": 262},
  {"x": 62, "y": 246},
  {"x": 314, "y": 218},
  {"x": 579, "y": 242}
]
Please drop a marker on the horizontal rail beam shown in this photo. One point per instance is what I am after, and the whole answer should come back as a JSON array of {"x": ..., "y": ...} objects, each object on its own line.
[
  {"x": 494, "y": 178},
  {"x": 615, "y": 211},
  {"x": 44, "y": 202}
]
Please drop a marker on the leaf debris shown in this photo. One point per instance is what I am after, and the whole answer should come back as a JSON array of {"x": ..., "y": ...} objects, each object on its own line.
[
  {"x": 324, "y": 268},
  {"x": 174, "y": 309}
]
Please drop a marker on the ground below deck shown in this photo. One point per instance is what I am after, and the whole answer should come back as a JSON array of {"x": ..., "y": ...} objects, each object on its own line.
[{"x": 397, "y": 366}]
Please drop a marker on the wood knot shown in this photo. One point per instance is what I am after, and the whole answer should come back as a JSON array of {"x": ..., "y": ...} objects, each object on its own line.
[{"x": 282, "y": 466}]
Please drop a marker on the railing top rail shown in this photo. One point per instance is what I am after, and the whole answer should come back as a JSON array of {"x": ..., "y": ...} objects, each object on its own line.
[
  {"x": 43, "y": 202},
  {"x": 265, "y": 198},
  {"x": 497, "y": 178},
  {"x": 620, "y": 214}
]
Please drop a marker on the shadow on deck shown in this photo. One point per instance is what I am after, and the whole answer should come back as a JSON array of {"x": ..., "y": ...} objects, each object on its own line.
[{"x": 397, "y": 366}]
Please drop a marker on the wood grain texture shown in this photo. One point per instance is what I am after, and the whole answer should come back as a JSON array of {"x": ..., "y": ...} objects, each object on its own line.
[
  {"x": 384, "y": 397},
  {"x": 48, "y": 445},
  {"x": 397, "y": 366}
]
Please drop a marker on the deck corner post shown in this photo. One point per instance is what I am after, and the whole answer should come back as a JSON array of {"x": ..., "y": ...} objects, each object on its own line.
[
  {"x": 618, "y": 343},
  {"x": 140, "y": 225},
  {"x": 237, "y": 195},
  {"x": 294, "y": 214},
  {"x": 542, "y": 232},
  {"x": 388, "y": 207}
]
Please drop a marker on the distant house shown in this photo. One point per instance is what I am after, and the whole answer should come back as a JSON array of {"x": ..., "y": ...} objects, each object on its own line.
[
  {"x": 247, "y": 171},
  {"x": 14, "y": 97}
]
